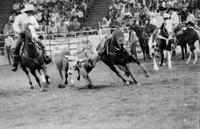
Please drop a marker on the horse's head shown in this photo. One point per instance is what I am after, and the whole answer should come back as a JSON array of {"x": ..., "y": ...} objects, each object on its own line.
[
  {"x": 118, "y": 37},
  {"x": 179, "y": 30},
  {"x": 30, "y": 32}
]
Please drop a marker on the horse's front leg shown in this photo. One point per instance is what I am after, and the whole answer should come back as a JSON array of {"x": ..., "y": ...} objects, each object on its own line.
[
  {"x": 186, "y": 53},
  {"x": 27, "y": 73},
  {"x": 183, "y": 52},
  {"x": 162, "y": 55},
  {"x": 169, "y": 57},
  {"x": 195, "y": 56},
  {"x": 37, "y": 79},
  {"x": 189, "y": 57},
  {"x": 112, "y": 67},
  {"x": 44, "y": 69},
  {"x": 128, "y": 72},
  {"x": 155, "y": 65}
]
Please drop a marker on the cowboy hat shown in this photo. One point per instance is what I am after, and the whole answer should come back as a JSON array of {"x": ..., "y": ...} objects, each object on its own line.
[
  {"x": 189, "y": 23},
  {"x": 166, "y": 16},
  {"x": 162, "y": 8},
  {"x": 171, "y": 9},
  {"x": 27, "y": 8}
]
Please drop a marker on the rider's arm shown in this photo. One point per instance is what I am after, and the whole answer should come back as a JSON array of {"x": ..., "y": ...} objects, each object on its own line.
[
  {"x": 17, "y": 24},
  {"x": 35, "y": 23}
]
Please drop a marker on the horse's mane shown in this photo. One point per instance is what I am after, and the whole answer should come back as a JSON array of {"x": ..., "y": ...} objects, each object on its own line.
[{"x": 163, "y": 31}]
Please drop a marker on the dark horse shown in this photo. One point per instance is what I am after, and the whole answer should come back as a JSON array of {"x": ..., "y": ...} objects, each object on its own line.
[
  {"x": 187, "y": 36},
  {"x": 143, "y": 33},
  {"x": 31, "y": 58},
  {"x": 180, "y": 40},
  {"x": 112, "y": 53}
]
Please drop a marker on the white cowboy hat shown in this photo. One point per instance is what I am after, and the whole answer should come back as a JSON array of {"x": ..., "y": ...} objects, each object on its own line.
[
  {"x": 28, "y": 7},
  {"x": 166, "y": 15}
]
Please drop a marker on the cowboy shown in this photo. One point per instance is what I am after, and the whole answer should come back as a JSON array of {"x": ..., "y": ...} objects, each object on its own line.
[
  {"x": 134, "y": 41},
  {"x": 9, "y": 44},
  {"x": 27, "y": 17},
  {"x": 174, "y": 17}
]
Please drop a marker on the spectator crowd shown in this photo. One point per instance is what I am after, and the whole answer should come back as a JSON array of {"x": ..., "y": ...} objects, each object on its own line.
[
  {"x": 126, "y": 12},
  {"x": 54, "y": 16}
]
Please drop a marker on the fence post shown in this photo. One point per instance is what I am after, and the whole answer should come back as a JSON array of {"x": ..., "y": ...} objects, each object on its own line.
[{"x": 50, "y": 49}]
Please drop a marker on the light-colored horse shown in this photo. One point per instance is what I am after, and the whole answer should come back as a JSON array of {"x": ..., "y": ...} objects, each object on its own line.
[{"x": 161, "y": 46}]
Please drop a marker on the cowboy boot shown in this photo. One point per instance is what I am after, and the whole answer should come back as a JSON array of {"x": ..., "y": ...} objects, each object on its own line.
[
  {"x": 15, "y": 63},
  {"x": 46, "y": 58}
]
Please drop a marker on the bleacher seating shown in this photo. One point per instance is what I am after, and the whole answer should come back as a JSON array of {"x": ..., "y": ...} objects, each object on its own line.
[{"x": 5, "y": 11}]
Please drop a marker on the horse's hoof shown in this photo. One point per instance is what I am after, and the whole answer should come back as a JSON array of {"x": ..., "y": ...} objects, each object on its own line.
[
  {"x": 138, "y": 84},
  {"x": 170, "y": 68},
  {"x": 127, "y": 83},
  {"x": 66, "y": 83},
  {"x": 48, "y": 81},
  {"x": 43, "y": 90},
  {"x": 72, "y": 85},
  {"x": 61, "y": 86},
  {"x": 194, "y": 62},
  {"x": 156, "y": 69},
  {"x": 90, "y": 86},
  {"x": 147, "y": 75}
]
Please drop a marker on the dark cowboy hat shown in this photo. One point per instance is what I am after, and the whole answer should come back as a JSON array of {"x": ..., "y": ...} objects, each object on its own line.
[
  {"x": 189, "y": 23},
  {"x": 171, "y": 9},
  {"x": 162, "y": 8},
  {"x": 40, "y": 37}
]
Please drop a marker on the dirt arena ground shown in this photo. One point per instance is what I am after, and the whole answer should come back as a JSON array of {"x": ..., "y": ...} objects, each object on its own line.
[{"x": 166, "y": 100}]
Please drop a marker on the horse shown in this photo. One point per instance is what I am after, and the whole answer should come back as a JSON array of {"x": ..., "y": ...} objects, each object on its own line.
[
  {"x": 31, "y": 58},
  {"x": 143, "y": 33},
  {"x": 161, "y": 45},
  {"x": 180, "y": 39},
  {"x": 113, "y": 53},
  {"x": 188, "y": 36}
]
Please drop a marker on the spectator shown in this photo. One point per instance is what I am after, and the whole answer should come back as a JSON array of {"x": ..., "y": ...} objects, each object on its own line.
[
  {"x": 45, "y": 16},
  {"x": 54, "y": 16},
  {"x": 174, "y": 17},
  {"x": 16, "y": 6},
  {"x": 62, "y": 28},
  {"x": 74, "y": 25},
  {"x": 8, "y": 28},
  {"x": 80, "y": 16},
  {"x": 134, "y": 41},
  {"x": 9, "y": 45},
  {"x": 190, "y": 17},
  {"x": 53, "y": 30},
  {"x": 105, "y": 23}
]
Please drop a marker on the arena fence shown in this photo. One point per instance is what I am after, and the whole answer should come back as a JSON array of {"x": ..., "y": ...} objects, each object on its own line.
[{"x": 70, "y": 41}]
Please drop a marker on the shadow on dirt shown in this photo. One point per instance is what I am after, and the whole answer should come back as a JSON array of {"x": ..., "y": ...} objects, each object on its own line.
[
  {"x": 11, "y": 93},
  {"x": 97, "y": 87}
]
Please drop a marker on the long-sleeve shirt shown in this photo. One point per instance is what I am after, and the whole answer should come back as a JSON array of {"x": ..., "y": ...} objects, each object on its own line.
[
  {"x": 9, "y": 42},
  {"x": 191, "y": 18},
  {"x": 133, "y": 37},
  {"x": 22, "y": 20},
  {"x": 174, "y": 19}
]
